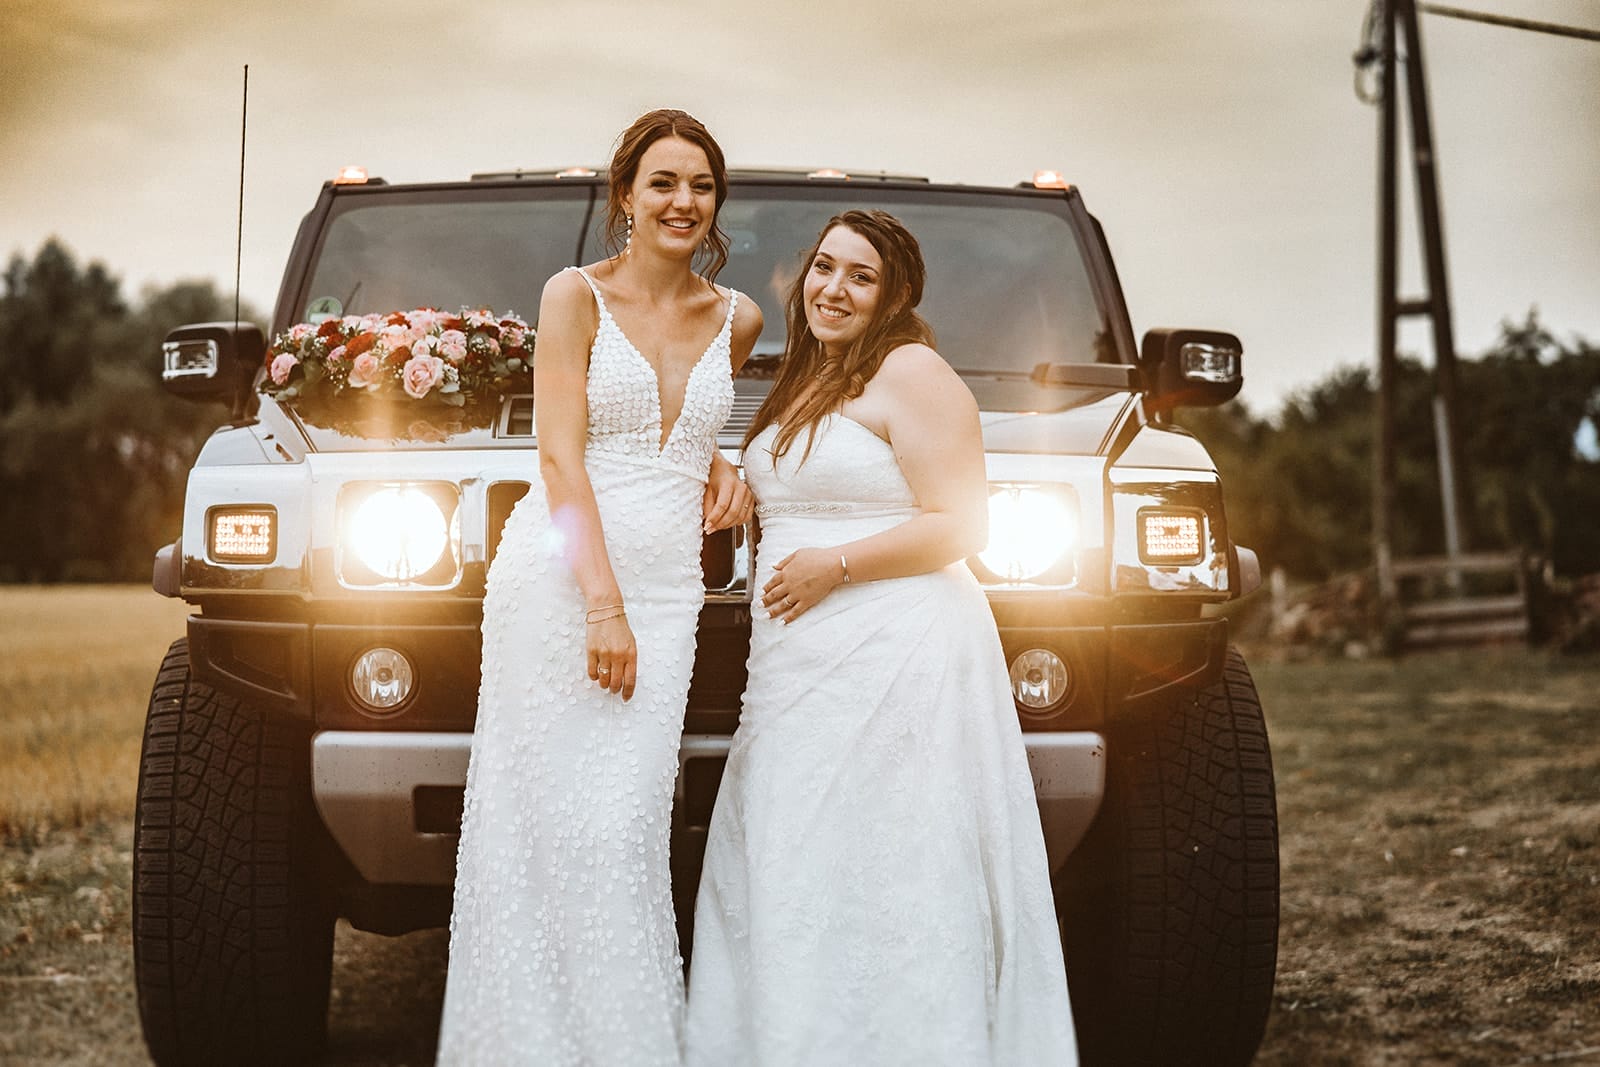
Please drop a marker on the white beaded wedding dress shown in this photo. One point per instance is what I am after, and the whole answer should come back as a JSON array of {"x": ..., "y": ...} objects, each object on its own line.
[
  {"x": 875, "y": 888},
  {"x": 563, "y": 948}
]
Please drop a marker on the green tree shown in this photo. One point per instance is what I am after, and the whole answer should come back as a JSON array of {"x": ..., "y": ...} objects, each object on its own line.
[
  {"x": 1299, "y": 487},
  {"x": 56, "y": 320},
  {"x": 94, "y": 454}
]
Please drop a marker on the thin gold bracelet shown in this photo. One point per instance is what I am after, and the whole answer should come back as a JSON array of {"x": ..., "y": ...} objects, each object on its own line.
[
  {"x": 845, "y": 567},
  {"x": 620, "y": 612}
]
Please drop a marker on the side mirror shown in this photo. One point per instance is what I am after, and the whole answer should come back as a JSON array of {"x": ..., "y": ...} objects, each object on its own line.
[
  {"x": 212, "y": 361},
  {"x": 1190, "y": 368}
]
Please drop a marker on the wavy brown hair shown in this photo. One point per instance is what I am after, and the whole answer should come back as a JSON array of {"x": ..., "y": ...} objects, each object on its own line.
[
  {"x": 807, "y": 387},
  {"x": 646, "y": 130}
]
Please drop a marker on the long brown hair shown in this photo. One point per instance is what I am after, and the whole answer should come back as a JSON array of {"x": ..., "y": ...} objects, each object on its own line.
[
  {"x": 646, "y": 130},
  {"x": 807, "y": 387}
]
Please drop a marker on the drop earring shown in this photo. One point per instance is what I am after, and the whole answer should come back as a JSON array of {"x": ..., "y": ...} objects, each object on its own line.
[{"x": 628, "y": 242}]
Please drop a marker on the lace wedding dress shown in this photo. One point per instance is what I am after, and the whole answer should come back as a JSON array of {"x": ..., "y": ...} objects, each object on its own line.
[
  {"x": 563, "y": 948},
  {"x": 875, "y": 887}
]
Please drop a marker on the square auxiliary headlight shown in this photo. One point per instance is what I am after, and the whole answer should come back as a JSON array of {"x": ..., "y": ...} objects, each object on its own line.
[
  {"x": 1172, "y": 537},
  {"x": 243, "y": 534}
]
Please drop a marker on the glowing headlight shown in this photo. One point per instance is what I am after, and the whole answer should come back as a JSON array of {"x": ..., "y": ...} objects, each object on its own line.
[
  {"x": 399, "y": 532},
  {"x": 1029, "y": 531},
  {"x": 1172, "y": 536},
  {"x": 243, "y": 535}
]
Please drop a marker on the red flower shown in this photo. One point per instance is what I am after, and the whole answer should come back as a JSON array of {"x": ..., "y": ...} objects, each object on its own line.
[
  {"x": 396, "y": 318},
  {"x": 359, "y": 344},
  {"x": 329, "y": 329},
  {"x": 400, "y": 355}
]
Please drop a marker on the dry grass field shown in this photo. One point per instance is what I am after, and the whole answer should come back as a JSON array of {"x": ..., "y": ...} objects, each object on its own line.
[
  {"x": 1440, "y": 834},
  {"x": 73, "y": 684}
]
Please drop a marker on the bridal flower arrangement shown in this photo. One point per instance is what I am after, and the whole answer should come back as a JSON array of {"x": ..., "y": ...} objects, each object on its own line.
[{"x": 453, "y": 359}]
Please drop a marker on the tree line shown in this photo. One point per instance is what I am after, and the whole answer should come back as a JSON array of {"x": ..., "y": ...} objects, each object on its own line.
[
  {"x": 94, "y": 454},
  {"x": 1299, "y": 484}
]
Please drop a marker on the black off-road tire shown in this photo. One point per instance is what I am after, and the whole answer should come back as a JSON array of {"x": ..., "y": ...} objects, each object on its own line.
[
  {"x": 233, "y": 940},
  {"x": 1169, "y": 909}
]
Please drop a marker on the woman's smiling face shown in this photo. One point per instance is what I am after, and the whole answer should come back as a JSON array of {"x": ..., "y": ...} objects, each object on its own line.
[
  {"x": 842, "y": 288},
  {"x": 674, "y": 197}
]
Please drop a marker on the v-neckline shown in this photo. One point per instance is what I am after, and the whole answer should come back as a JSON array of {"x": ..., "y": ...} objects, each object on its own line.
[
  {"x": 655, "y": 376},
  {"x": 666, "y": 433}
]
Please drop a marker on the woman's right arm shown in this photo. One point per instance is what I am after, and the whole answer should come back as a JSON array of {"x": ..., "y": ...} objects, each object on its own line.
[{"x": 567, "y": 324}]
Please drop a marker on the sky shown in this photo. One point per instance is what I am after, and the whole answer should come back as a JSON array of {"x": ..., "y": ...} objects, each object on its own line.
[{"x": 1220, "y": 142}]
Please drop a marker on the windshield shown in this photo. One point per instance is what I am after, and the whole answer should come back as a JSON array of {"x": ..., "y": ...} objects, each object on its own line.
[{"x": 1007, "y": 285}]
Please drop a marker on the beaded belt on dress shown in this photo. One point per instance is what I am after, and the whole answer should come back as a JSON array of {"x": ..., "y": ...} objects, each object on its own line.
[{"x": 829, "y": 507}]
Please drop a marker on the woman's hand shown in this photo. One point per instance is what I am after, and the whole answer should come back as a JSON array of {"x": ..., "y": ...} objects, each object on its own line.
[
  {"x": 728, "y": 501},
  {"x": 613, "y": 655},
  {"x": 800, "y": 580}
]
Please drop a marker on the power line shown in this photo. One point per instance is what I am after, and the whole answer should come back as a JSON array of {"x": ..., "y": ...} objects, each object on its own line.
[{"x": 1516, "y": 24}]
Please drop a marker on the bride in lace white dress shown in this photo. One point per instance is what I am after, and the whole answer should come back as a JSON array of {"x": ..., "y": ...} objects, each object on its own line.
[
  {"x": 875, "y": 888},
  {"x": 563, "y": 948}
]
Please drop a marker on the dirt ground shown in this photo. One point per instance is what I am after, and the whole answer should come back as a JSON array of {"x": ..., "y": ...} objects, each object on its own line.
[{"x": 1441, "y": 886}]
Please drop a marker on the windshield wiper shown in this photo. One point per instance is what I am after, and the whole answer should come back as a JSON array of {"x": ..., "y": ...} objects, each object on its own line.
[
  {"x": 1123, "y": 376},
  {"x": 1080, "y": 375},
  {"x": 761, "y": 364}
]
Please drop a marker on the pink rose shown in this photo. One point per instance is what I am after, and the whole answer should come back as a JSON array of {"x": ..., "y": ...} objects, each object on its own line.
[
  {"x": 281, "y": 367},
  {"x": 364, "y": 371},
  {"x": 421, "y": 374},
  {"x": 300, "y": 331},
  {"x": 453, "y": 345},
  {"x": 401, "y": 336},
  {"x": 513, "y": 336}
]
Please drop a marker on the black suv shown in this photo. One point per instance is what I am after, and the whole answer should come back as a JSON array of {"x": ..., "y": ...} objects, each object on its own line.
[{"x": 307, "y": 742}]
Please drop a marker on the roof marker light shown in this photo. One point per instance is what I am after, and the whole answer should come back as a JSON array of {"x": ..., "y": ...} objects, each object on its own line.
[
  {"x": 829, "y": 172},
  {"x": 575, "y": 172},
  {"x": 1049, "y": 179},
  {"x": 351, "y": 176}
]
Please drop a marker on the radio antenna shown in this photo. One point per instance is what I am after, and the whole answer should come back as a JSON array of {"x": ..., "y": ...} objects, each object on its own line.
[
  {"x": 238, "y": 246},
  {"x": 241, "y": 388}
]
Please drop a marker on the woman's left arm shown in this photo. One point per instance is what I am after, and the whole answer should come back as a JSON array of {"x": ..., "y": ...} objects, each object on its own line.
[
  {"x": 728, "y": 501},
  {"x": 933, "y": 427}
]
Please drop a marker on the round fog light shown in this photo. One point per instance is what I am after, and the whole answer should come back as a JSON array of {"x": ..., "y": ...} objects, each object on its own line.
[
  {"x": 1039, "y": 679},
  {"x": 382, "y": 679}
]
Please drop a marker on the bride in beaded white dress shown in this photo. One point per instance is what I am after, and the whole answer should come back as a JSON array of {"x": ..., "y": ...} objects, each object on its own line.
[
  {"x": 563, "y": 948},
  {"x": 875, "y": 888}
]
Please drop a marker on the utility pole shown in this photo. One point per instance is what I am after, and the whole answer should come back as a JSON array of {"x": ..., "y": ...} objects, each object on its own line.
[{"x": 1387, "y": 21}]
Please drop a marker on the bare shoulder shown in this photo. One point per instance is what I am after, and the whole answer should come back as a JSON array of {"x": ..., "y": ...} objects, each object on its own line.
[
  {"x": 567, "y": 302},
  {"x": 747, "y": 320},
  {"x": 564, "y": 290},
  {"x": 915, "y": 361},
  {"x": 920, "y": 375}
]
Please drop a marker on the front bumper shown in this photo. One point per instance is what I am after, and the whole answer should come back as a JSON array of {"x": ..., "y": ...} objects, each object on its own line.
[
  {"x": 392, "y": 801},
  {"x": 301, "y": 668}
]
